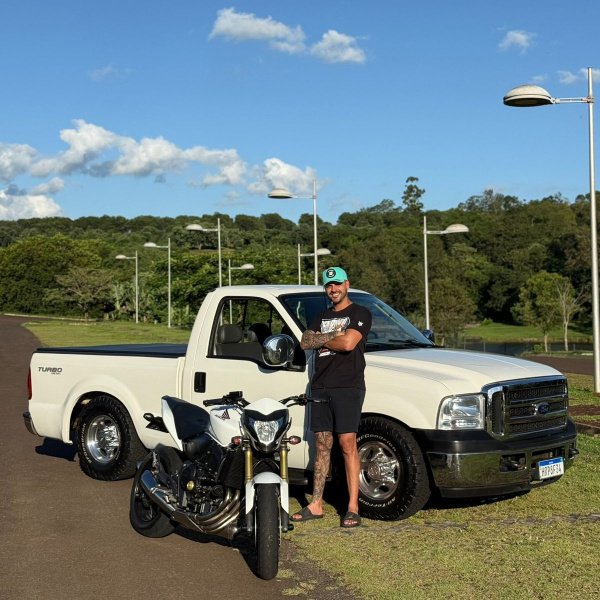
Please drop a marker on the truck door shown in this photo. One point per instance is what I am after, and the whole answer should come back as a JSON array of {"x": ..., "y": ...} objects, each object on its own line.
[{"x": 234, "y": 362}]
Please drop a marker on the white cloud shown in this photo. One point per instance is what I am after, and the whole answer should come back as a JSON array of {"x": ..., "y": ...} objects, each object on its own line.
[
  {"x": 86, "y": 143},
  {"x": 568, "y": 78},
  {"x": 277, "y": 174},
  {"x": 97, "y": 152},
  {"x": 107, "y": 72},
  {"x": 26, "y": 206},
  {"x": 15, "y": 159},
  {"x": 517, "y": 39},
  {"x": 539, "y": 78},
  {"x": 92, "y": 148},
  {"x": 55, "y": 185},
  {"x": 336, "y": 47},
  {"x": 243, "y": 27}
]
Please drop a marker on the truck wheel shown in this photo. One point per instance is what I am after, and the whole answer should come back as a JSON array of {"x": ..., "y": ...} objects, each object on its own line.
[
  {"x": 145, "y": 517},
  {"x": 394, "y": 483},
  {"x": 107, "y": 443}
]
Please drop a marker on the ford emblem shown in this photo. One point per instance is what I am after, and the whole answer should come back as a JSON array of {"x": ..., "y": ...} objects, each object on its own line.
[{"x": 543, "y": 408}]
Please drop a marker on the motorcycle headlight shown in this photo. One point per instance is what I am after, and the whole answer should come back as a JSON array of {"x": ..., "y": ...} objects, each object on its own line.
[
  {"x": 466, "y": 411},
  {"x": 265, "y": 431}
]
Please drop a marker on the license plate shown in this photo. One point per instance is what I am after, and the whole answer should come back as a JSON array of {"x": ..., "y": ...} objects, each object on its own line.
[{"x": 553, "y": 467}]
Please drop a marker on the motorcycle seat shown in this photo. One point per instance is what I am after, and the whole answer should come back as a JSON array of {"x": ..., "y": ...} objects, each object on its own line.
[{"x": 190, "y": 419}]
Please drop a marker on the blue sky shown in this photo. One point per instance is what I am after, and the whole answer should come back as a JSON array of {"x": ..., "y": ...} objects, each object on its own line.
[{"x": 166, "y": 108}]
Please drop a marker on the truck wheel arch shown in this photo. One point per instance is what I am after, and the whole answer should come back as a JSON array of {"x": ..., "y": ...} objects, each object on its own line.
[{"x": 107, "y": 442}]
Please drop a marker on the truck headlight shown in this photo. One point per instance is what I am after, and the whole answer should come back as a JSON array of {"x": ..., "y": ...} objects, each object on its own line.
[{"x": 466, "y": 411}]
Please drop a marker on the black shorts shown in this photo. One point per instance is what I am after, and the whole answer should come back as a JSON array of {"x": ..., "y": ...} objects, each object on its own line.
[{"x": 341, "y": 414}]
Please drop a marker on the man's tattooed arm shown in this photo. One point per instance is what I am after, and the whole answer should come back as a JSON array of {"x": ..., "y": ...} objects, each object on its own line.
[{"x": 312, "y": 340}]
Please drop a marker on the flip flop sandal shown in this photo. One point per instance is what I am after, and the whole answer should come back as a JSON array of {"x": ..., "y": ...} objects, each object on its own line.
[
  {"x": 304, "y": 515},
  {"x": 350, "y": 519}
]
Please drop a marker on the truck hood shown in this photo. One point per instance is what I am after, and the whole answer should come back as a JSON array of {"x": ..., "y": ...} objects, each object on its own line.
[{"x": 460, "y": 371}]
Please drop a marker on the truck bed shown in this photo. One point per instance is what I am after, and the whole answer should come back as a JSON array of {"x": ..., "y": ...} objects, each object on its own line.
[{"x": 146, "y": 350}]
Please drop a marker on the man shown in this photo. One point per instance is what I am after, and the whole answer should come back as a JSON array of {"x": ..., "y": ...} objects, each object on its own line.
[{"x": 338, "y": 336}]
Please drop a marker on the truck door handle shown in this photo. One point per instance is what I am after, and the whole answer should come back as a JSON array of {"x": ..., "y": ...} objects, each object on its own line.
[{"x": 199, "y": 382}]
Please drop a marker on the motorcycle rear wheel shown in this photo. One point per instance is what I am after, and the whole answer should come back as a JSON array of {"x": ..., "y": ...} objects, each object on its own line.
[
  {"x": 267, "y": 530},
  {"x": 145, "y": 517}
]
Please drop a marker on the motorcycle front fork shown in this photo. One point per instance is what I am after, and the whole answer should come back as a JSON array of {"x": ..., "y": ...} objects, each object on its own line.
[{"x": 283, "y": 475}]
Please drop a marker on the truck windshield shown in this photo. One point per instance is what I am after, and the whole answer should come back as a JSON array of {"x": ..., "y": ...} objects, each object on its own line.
[{"x": 390, "y": 330}]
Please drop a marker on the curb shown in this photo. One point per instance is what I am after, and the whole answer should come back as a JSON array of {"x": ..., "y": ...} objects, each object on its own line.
[{"x": 587, "y": 428}]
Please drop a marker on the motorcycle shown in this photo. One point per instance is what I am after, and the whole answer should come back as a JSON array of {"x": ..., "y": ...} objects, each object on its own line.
[{"x": 228, "y": 473}]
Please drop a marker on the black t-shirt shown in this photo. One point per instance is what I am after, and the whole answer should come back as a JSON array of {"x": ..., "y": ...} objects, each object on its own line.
[{"x": 341, "y": 369}]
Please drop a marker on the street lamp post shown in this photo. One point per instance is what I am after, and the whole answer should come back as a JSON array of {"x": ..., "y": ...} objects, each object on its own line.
[
  {"x": 534, "y": 95},
  {"x": 196, "y": 227},
  {"x": 168, "y": 248},
  {"x": 320, "y": 252},
  {"x": 456, "y": 228},
  {"x": 137, "y": 286},
  {"x": 281, "y": 193},
  {"x": 244, "y": 267}
]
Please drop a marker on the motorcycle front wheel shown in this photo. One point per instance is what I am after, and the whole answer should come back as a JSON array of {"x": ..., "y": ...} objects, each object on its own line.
[
  {"x": 145, "y": 516},
  {"x": 267, "y": 530}
]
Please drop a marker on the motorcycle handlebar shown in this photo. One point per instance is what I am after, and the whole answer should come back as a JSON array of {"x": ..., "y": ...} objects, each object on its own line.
[
  {"x": 237, "y": 398},
  {"x": 230, "y": 398}
]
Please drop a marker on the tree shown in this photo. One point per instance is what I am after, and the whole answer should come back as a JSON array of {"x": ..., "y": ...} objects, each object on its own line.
[
  {"x": 570, "y": 304},
  {"x": 28, "y": 269},
  {"x": 89, "y": 289},
  {"x": 411, "y": 198},
  {"x": 539, "y": 303},
  {"x": 451, "y": 307}
]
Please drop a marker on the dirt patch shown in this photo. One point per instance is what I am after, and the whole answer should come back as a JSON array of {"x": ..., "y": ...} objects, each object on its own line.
[{"x": 584, "y": 410}]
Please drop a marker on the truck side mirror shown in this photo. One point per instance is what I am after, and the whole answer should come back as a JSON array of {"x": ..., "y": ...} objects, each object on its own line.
[
  {"x": 278, "y": 350},
  {"x": 428, "y": 333}
]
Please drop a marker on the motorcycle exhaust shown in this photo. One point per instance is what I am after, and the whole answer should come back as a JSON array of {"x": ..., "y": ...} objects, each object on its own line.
[{"x": 221, "y": 523}]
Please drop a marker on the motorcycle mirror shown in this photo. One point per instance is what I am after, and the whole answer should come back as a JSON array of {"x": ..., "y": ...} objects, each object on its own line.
[{"x": 278, "y": 350}]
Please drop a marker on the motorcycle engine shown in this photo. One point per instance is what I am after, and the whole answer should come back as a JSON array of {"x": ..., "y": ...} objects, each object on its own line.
[{"x": 199, "y": 490}]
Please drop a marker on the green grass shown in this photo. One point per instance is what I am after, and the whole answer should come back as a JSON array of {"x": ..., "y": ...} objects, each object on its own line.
[
  {"x": 542, "y": 545},
  {"x": 498, "y": 332},
  {"x": 91, "y": 333}
]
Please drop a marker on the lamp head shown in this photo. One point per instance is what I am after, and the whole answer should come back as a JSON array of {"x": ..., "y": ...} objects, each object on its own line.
[
  {"x": 528, "y": 95},
  {"x": 280, "y": 194},
  {"x": 456, "y": 228}
]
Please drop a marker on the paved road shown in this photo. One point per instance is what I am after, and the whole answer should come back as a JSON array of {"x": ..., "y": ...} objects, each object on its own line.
[{"x": 65, "y": 536}]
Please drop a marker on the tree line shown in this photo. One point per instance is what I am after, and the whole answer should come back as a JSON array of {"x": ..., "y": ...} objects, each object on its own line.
[{"x": 521, "y": 261}]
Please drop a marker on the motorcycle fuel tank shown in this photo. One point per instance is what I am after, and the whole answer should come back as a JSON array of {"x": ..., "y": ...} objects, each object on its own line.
[{"x": 224, "y": 423}]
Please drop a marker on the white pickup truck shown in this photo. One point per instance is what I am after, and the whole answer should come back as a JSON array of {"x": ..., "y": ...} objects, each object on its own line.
[{"x": 457, "y": 422}]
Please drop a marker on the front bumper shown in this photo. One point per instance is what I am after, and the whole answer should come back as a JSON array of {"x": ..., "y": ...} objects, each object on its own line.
[
  {"x": 469, "y": 464},
  {"x": 27, "y": 418}
]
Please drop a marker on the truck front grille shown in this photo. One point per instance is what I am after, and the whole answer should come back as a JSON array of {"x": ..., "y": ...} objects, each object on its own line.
[{"x": 526, "y": 406}]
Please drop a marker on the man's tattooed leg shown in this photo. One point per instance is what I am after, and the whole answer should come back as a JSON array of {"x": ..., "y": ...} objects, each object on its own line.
[{"x": 324, "y": 443}]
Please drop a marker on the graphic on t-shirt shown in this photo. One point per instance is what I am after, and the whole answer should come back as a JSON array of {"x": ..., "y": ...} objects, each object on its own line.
[{"x": 328, "y": 325}]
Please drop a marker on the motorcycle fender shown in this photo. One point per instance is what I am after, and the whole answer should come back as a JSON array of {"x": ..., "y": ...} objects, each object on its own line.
[{"x": 267, "y": 477}]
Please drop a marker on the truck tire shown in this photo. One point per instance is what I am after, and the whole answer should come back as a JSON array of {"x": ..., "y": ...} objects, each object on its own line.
[
  {"x": 393, "y": 480},
  {"x": 107, "y": 443},
  {"x": 145, "y": 516}
]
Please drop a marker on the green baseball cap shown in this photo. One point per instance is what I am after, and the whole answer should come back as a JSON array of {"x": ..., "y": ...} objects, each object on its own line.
[{"x": 334, "y": 275}]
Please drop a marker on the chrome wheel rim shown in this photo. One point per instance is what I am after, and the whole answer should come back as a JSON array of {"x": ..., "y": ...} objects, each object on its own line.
[
  {"x": 103, "y": 439},
  {"x": 380, "y": 470}
]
